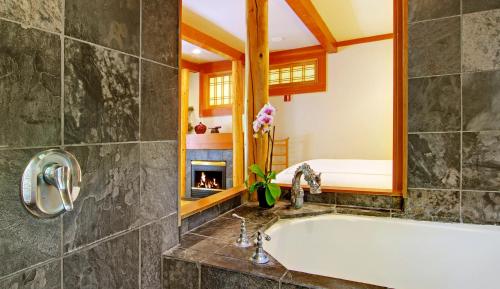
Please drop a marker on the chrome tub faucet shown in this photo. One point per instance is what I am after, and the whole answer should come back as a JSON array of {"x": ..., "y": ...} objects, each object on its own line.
[{"x": 313, "y": 179}]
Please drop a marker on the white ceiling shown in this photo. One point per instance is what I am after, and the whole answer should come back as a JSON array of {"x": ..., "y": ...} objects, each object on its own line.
[
  {"x": 350, "y": 19},
  {"x": 202, "y": 57},
  {"x": 347, "y": 19}
]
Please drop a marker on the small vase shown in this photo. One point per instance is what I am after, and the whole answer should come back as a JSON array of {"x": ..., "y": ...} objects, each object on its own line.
[{"x": 261, "y": 196}]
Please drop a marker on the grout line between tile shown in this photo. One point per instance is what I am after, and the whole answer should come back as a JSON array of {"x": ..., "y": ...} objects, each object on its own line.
[
  {"x": 140, "y": 145},
  {"x": 6, "y": 147},
  {"x": 434, "y": 19},
  {"x": 433, "y": 75},
  {"x": 28, "y": 26},
  {"x": 461, "y": 113}
]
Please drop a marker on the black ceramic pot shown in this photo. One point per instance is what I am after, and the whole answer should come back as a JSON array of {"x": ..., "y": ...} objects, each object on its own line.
[{"x": 261, "y": 196}]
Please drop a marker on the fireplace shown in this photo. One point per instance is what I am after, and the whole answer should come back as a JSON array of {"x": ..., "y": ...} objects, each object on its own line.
[{"x": 207, "y": 178}]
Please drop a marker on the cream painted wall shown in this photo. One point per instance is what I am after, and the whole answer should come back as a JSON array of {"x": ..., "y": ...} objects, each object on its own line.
[
  {"x": 353, "y": 118},
  {"x": 194, "y": 101}
]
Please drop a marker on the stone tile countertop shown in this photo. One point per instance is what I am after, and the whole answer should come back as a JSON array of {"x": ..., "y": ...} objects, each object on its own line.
[{"x": 207, "y": 257}]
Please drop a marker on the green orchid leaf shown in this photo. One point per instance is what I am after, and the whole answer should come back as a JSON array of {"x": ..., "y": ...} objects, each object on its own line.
[
  {"x": 255, "y": 186},
  {"x": 269, "y": 197},
  {"x": 271, "y": 175},
  {"x": 275, "y": 190},
  {"x": 256, "y": 170}
]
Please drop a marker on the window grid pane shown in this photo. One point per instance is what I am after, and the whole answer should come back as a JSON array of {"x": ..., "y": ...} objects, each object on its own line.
[
  {"x": 293, "y": 73},
  {"x": 219, "y": 90}
]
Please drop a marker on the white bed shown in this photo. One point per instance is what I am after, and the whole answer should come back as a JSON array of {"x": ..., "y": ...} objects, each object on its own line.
[{"x": 375, "y": 174}]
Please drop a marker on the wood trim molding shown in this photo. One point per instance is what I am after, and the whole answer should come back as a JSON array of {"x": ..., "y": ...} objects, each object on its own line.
[
  {"x": 183, "y": 124},
  {"x": 365, "y": 39},
  {"x": 209, "y": 141},
  {"x": 299, "y": 55},
  {"x": 306, "y": 11},
  {"x": 218, "y": 66},
  {"x": 191, "y": 66},
  {"x": 400, "y": 137},
  {"x": 349, "y": 190},
  {"x": 205, "y": 41},
  {"x": 205, "y": 109},
  {"x": 194, "y": 207},
  {"x": 238, "y": 75}
]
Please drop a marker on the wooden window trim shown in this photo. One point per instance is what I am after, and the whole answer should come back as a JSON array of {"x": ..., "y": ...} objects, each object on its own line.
[
  {"x": 309, "y": 54},
  {"x": 205, "y": 108}
]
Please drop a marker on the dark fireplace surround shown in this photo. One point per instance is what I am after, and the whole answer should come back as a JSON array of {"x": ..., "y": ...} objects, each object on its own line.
[
  {"x": 207, "y": 178},
  {"x": 207, "y": 155}
]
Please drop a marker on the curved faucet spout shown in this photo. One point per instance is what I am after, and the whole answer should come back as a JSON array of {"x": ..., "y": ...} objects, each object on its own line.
[{"x": 313, "y": 179}]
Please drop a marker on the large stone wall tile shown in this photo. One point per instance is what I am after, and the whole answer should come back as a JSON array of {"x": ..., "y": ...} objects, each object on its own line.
[
  {"x": 47, "y": 276},
  {"x": 44, "y": 14},
  {"x": 159, "y": 102},
  {"x": 481, "y": 41},
  {"x": 434, "y": 47},
  {"x": 481, "y": 207},
  {"x": 481, "y": 161},
  {"x": 160, "y": 31},
  {"x": 110, "y": 23},
  {"x": 101, "y": 102},
  {"x": 156, "y": 238},
  {"x": 113, "y": 264},
  {"x": 24, "y": 239},
  {"x": 109, "y": 199},
  {"x": 419, "y": 10},
  {"x": 434, "y": 104},
  {"x": 30, "y": 86},
  {"x": 481, "y": 101},
  {"x": 434, "y": 160}
]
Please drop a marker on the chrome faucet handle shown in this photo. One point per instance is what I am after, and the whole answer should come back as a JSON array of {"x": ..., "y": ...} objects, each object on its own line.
[
  {"x": 60, "y": 177},
  {"x": 242, "y": 240},
  {"x": 260, "y": 256}
]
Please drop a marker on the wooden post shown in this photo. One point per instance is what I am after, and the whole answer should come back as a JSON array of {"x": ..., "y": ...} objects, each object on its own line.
[
  {"x": 258, "y": 77},
  {"x": 238, "y": 148},
  {"x": 183, "y": 123}
]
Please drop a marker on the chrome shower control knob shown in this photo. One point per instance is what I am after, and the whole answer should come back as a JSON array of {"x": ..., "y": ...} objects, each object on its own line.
[{"x": 50, "y": 183}]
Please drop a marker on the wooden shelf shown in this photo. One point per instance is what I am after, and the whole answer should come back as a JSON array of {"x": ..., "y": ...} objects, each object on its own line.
[{"x": 209, "y": 141}]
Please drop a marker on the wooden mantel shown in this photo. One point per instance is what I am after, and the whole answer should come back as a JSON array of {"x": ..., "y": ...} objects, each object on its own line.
[{"x": 209, "y": 141}]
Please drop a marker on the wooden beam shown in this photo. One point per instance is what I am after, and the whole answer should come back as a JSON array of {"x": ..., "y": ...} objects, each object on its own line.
[
  {"x": 258, "y": 77},
  {"x": 205, "y": 41},
  {"x": 238, "y": 141},
  {"x": 218, "y": 66},
  {"x": 191, "y": 66},
  {"x": 183, "y": 122},
  {"x": 365, "y": 39},
  {"x": 306, "y": 11}
]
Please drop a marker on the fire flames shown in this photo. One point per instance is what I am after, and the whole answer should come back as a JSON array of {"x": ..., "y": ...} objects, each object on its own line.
[{"x": 207, "y": 183}]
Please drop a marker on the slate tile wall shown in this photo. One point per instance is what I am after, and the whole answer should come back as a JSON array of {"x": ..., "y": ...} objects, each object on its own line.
[
  {"x": 454, "y": 111},
  {"x": 99, "y": 79}
]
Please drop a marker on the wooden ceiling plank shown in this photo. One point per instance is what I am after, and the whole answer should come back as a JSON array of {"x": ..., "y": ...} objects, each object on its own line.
[
  {"x": 205, "y": 41},
  {"x": 306, "y": 11}
]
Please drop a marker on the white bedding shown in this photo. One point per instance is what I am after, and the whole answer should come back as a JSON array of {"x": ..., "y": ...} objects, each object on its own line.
[{"x": 375, "y": 174}]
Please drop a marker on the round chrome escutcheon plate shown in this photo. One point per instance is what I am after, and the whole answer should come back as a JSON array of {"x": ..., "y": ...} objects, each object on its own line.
[{"x": 41, "y": 198}]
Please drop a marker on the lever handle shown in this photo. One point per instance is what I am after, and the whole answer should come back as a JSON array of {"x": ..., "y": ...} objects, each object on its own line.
[
  {"x": 260, "y": 256},
  {"x": 243, "y": 220},
  {"x": 60, "y": 177}
]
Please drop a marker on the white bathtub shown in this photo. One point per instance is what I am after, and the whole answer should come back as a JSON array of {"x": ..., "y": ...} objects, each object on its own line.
[{"x": 401, "y": 254}]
